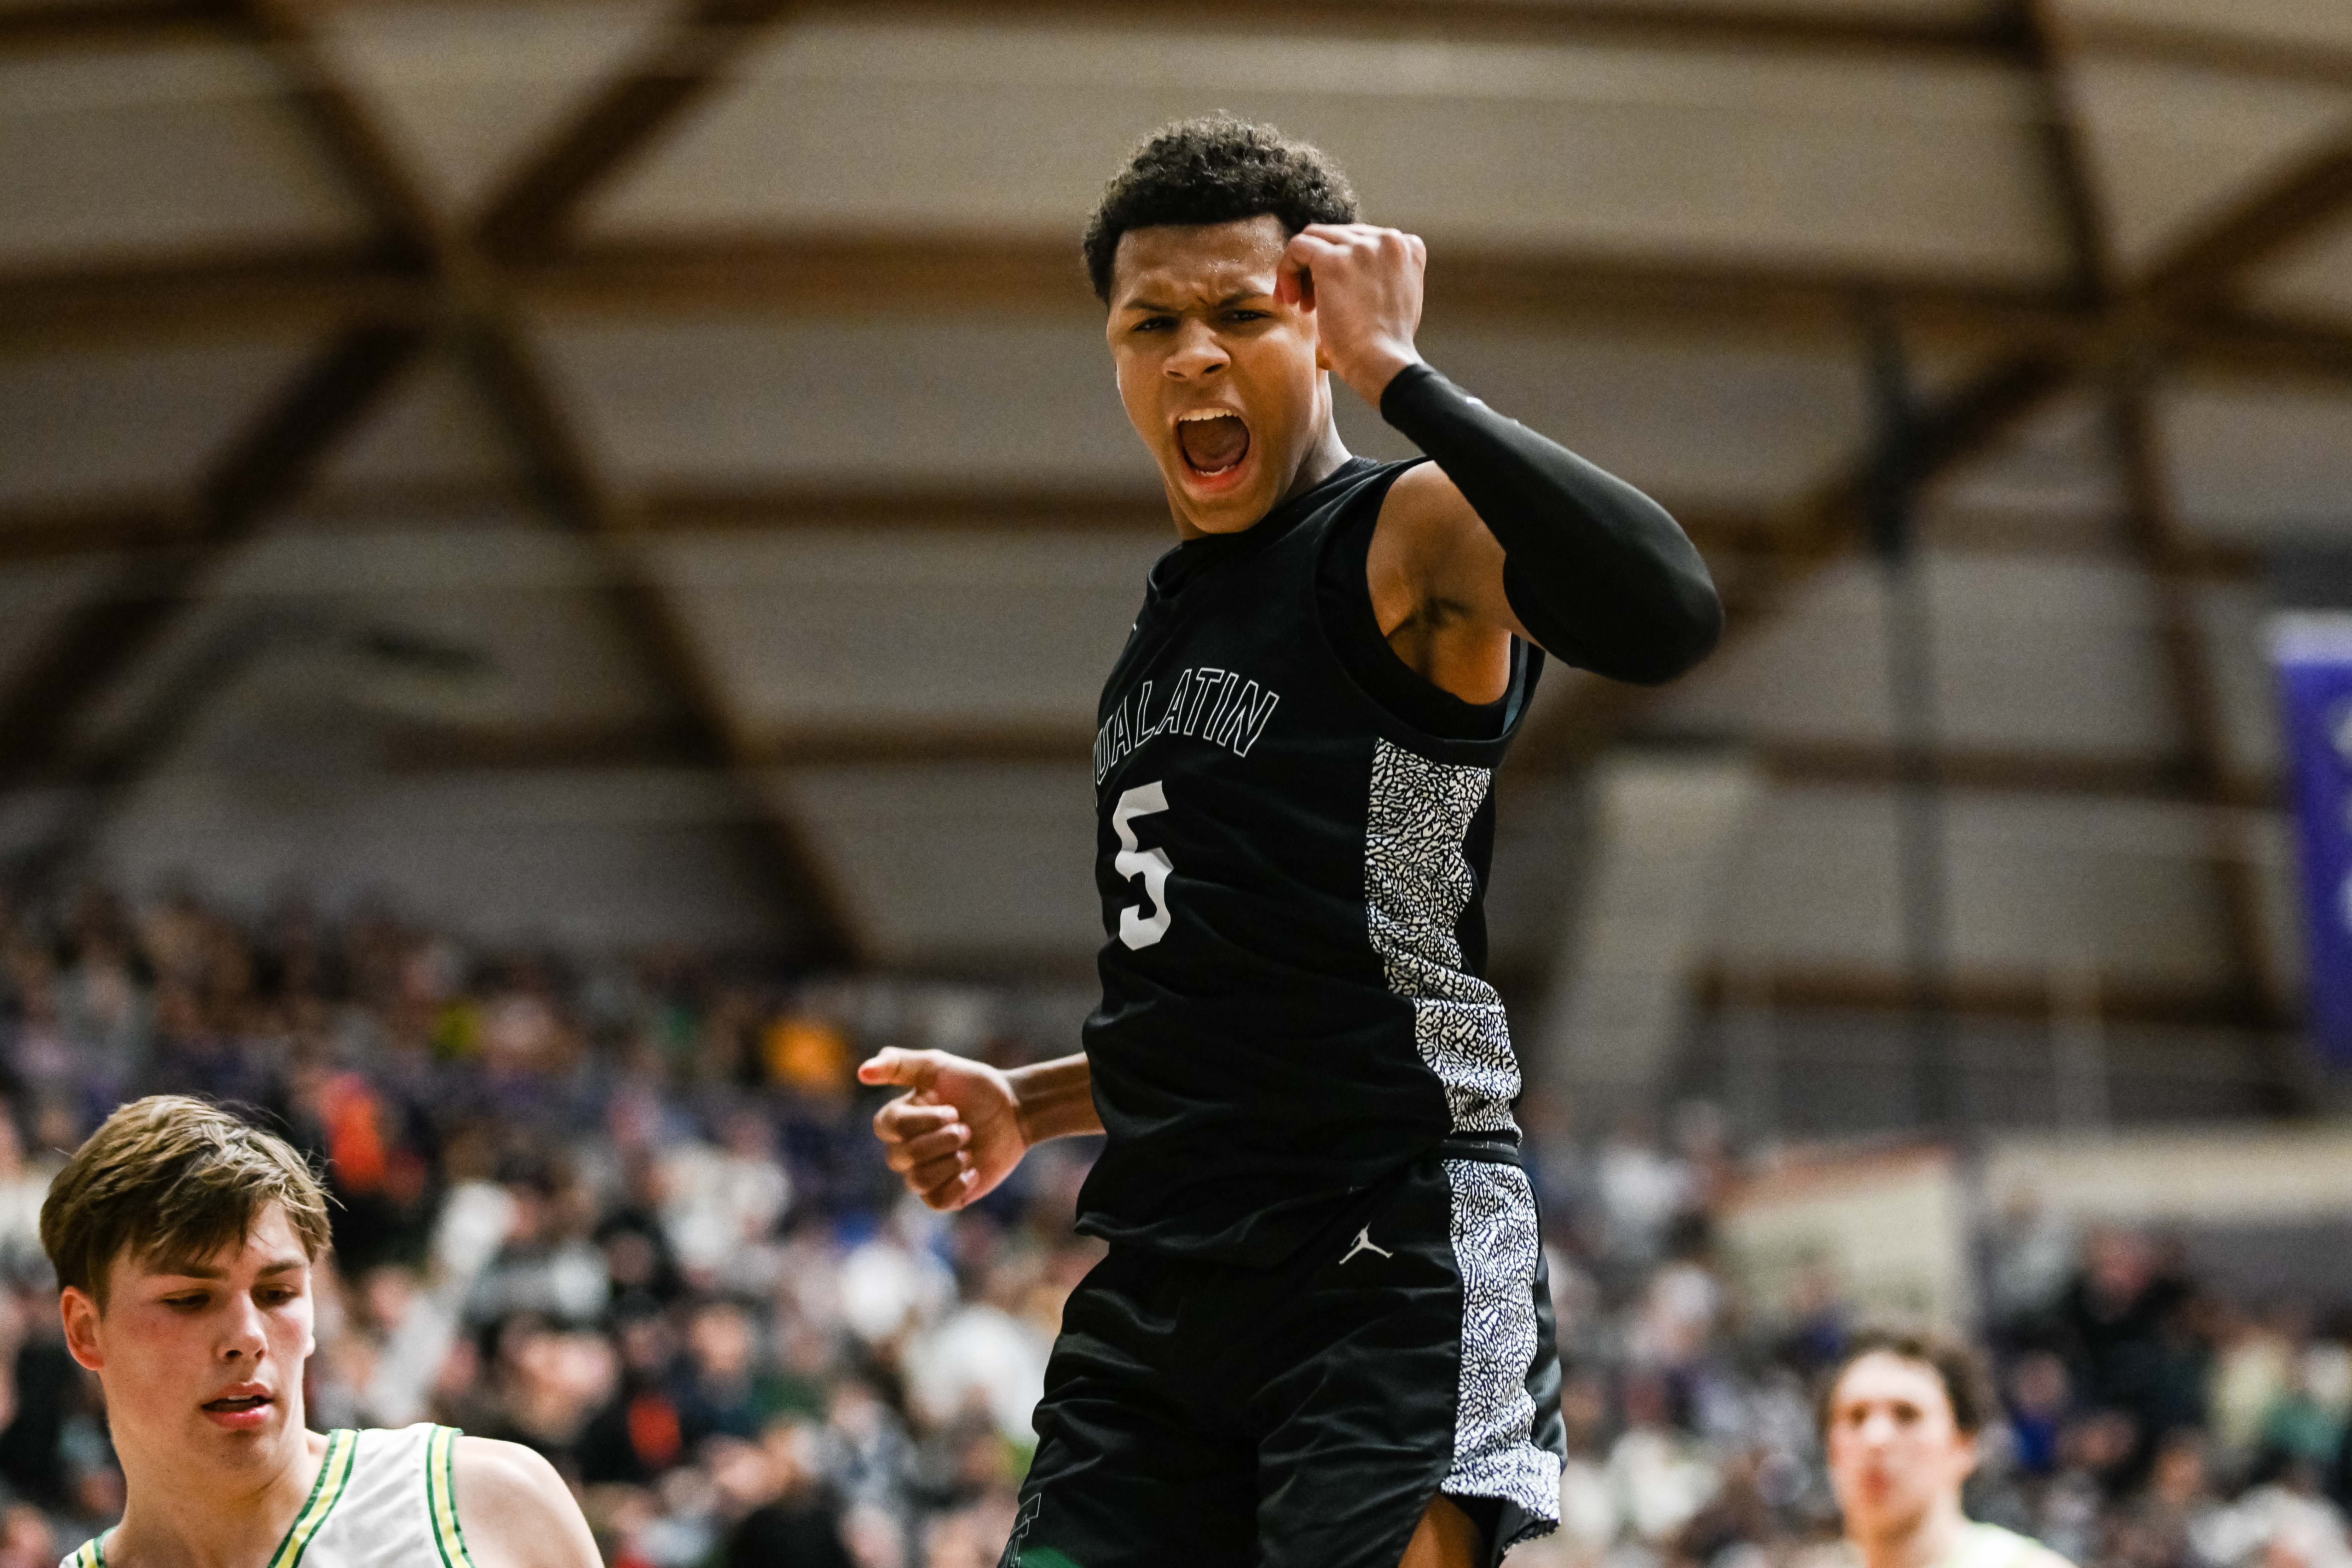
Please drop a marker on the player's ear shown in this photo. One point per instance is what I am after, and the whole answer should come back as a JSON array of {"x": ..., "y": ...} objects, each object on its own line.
[
  {"x": 78, "y": 1313},
  {"x": 310, "y": 1305},
  {"x": 1313, "y": 324}
]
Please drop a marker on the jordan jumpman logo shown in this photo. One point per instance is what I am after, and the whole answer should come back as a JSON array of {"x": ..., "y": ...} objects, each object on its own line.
[{"x": 1364, "y": 1244}]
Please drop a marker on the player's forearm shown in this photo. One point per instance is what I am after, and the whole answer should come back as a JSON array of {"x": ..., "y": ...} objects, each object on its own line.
[
  {"x": 1598, "y": 573},
  {"x": 1056, "y": 1099}
]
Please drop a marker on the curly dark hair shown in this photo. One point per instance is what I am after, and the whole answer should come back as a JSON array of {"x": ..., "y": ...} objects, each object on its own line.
[
  {"x": 1967, "y": 1382},
  {"x": 1216, "y": 169}
]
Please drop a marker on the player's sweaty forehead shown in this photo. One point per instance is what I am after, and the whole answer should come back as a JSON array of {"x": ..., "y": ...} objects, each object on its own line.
[{"x": 1189, "y": 267}]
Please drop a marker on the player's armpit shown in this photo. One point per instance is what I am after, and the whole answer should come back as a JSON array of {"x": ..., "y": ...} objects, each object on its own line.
[
  {"x": 515, "y": 1512},
  {"x": 1593, "y": 571}
]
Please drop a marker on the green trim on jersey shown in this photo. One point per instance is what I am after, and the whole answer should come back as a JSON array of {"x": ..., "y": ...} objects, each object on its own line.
[
  {"x": 334, "y": 1477},
  {"x": 326, "y": 1489},
  {"x": 1985, "y": 1546},
  {"x": 441, "y": 1496}
]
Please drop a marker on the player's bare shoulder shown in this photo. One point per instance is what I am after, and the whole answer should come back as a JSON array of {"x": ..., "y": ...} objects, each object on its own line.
[
  {"x": 1426, "y": 512},
  {"x": 1978, "y": 1546},
  {"x": 1431, "y": 548},
  {"x": 515, "y": 1512}
]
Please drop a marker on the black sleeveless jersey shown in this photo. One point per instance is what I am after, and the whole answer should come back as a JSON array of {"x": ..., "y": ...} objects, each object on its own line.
[{"x": 1292, "y": 882}]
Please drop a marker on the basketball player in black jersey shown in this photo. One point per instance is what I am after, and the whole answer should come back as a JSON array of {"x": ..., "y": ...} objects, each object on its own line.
[{"x": 1322, "y": 1335}]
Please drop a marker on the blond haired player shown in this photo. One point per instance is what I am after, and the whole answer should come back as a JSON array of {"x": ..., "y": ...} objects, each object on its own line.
[
  {"x": 183, "y": 1241},
  {"x": 1900, "y": 1418}
]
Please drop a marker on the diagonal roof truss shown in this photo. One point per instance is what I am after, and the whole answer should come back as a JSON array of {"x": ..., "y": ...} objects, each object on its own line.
[{"x": 427, "y": 277}]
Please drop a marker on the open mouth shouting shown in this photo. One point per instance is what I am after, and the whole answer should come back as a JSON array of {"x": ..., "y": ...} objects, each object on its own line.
[
  {"x": 1215, "y": 443},
  {"x": 244, "y": 1406}
]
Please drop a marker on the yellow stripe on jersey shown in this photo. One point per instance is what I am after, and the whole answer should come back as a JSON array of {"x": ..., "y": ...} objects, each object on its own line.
[
  {"x": 335, "y": 1475},
  {"x": 441, "y": 1498}
]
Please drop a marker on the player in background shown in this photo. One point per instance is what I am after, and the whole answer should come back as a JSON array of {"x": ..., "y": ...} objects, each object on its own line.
[
  {"x": 184, "y": 1242},
  {"x": 1900, "y": 1418}
]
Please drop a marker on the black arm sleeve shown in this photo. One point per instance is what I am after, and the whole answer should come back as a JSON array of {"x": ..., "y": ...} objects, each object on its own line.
[{"x": 1597, "y": 572}]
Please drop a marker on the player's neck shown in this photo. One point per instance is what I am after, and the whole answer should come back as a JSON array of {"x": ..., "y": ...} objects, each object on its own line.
[
  {"x": 182, "y": 1515},
  {"x": 1926, "y": 1544},
  {"x": 1322, "y": 461}
]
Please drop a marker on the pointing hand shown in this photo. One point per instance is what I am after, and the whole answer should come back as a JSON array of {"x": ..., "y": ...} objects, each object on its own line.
[{"x": 956, "y": 1133}]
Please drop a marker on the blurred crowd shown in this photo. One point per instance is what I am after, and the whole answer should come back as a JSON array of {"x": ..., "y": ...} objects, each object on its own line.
[
  {"x": 2144, "y": 1418},
  {"x": 626, "y": 1210}
]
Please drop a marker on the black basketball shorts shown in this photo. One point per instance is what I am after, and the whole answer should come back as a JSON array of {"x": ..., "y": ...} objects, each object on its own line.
[{"x": 1207, "y": 1415}]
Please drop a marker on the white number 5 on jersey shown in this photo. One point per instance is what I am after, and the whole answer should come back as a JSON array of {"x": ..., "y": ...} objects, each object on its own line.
[{"x": 1135, "y": 927}]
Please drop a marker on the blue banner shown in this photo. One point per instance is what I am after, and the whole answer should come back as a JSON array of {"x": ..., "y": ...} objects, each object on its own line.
[{"x": 2314, "y": 653}]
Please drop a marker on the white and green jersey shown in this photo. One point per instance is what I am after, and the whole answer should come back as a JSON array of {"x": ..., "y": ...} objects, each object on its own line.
[
  {"x": 1976, "y": 1546},
  {"x": 383, "y": 1498},
  {"x": 1990, "y": 1546}
]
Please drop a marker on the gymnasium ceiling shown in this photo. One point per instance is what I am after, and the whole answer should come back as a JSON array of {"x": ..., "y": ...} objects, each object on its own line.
[{"x": 661, "y": 459}]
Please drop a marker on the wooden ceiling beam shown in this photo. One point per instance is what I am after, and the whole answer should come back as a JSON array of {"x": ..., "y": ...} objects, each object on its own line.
[
  {"x": 97, "y": 641},
  {"x": 919, "y": 741},
  {"x": 2209, "y": 49},
  {"x": 1717, "y": 23},
  {"x": 2090, "y": 228},
  {"x": 1811, "y": 530},
  {"x": 673, "y": 511},
  {"x": 833, "y": 276},
  {"x": 2247, "y": 344},
  {"x": 526, "y": 214},
  {"x": 2237, "y": 883},
  {"x": 42, "y": 532},
  {"x": 1982, "y": 994},
  {"x": 2167, "y": 315},
  {"x": 882, "y": 275},
  {"x": 409, "y": 228},
  {"x": 102, "y": 638},
  {"x": 46, "y": 27},
  {"x": 1879, "y": 765},
  {"x": 266, "y": 293},
  {"x": 2183, "y": 285},
  {"x": 31, "y": 534},
  {"x": 713, "y": 733},
  {"x": 1732, "y": 536},
  {"x": 491, "y": 340},
  {"x": 531, "y": 213},
  {"x": 1725, "y": 23},
  {"x": 47, "y": 310},
  {"x": 420, "y": 748},
  {"x": 2297, "y": 202}
]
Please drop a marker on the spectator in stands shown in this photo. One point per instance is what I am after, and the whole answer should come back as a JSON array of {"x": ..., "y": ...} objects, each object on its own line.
[
  {"x": 720, "y": 1391},
  {"x": 2120, "y": 1326},
  {"x": 628, "y": 1210},
  {"x": 2095, "y": 1452},
  {"x": 798, "y": 1520},
  {"x": 2171, "y": 1522}
]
